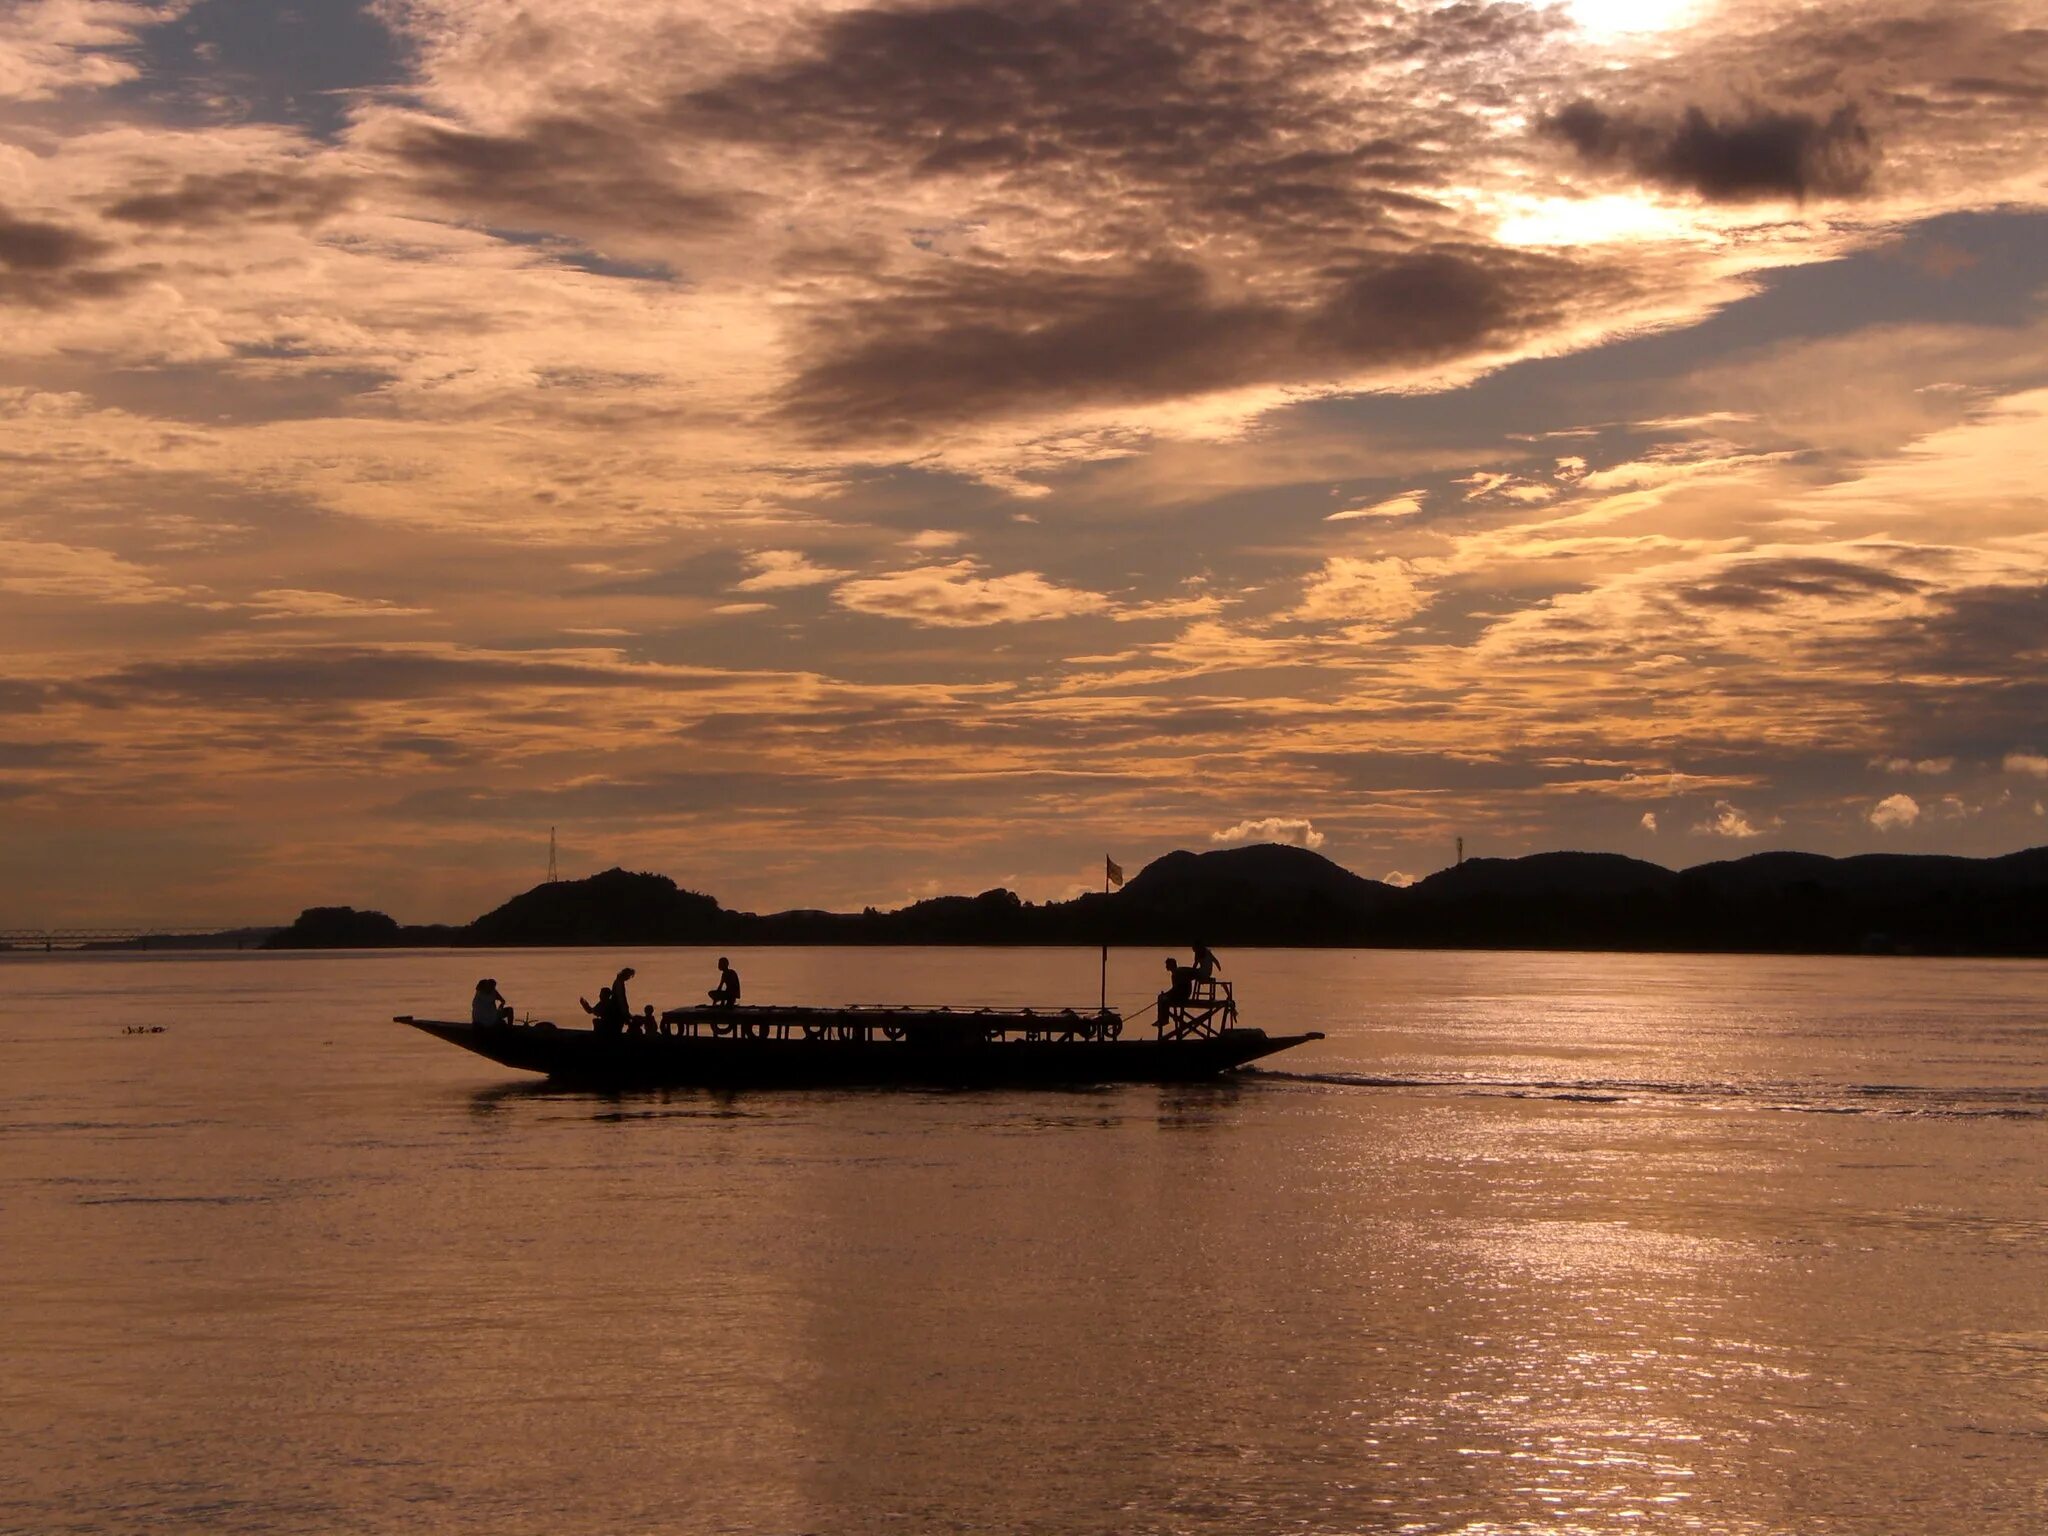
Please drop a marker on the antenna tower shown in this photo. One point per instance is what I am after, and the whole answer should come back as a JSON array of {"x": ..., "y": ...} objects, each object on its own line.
[
  {"x": 1461, "y": 856},
  {"x": 554, "y": 874}
]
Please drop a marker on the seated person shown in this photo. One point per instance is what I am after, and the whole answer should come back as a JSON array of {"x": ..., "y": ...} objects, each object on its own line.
[
  {"x": 1176, "y": 994},
  {"x": 727, "y": 992},
  {"x": 605, "y": 1016},
  {"x": 645, "y": 1023},
  {"x": 488, "y": 1008},
  {"x": 1206, "y": 963}
]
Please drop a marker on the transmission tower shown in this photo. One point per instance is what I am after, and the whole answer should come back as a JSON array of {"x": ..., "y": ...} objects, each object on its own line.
[{"x": 554, "y": 874}]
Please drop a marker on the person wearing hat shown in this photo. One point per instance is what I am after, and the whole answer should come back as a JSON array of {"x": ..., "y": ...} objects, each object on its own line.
[{"x": 488, "y": 1008}]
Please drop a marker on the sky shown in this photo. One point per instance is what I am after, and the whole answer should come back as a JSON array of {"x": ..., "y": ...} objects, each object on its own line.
[{"x": 839, "y": 453}]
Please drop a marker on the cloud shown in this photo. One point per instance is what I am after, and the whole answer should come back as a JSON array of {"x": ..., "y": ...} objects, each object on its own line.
[
  {"x": 36, "y": 245},
  {"x": 1727, "y": 821},
  {"x": 298, "y": 603},
  {"x": 201, "y": 200},
  {"x": 2030, "y": 764},
  {"x": 1399, "y": 879},
  {"x": 1928, "y": 767},
  {"x": 1768, "y": 582},
  {"x": 37, "y": 568},
  {"x": 49, "y": 47},
  {"x": 1763, "y": 155},
  {"x": 784, "y": 570},
  {"x": 969, "y": 339},
  {"x": 338, "y": 673},
  {"x": 957, "y": 596},
  {"x": 1295, "y": 831},
  {"x": 44, "y": 264},
  {"x": 1649, "y": 821},
  {"x": 593, "y": 176},
  {"x": 1361, "y": 591},
  {"x": 1407, "y": 504},
  {"x": 1894, "y": 812}
]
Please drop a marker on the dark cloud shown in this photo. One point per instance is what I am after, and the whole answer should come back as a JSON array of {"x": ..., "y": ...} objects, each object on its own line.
[
  {"x": 973, "y": 339},
  {"x": 1766, "y": 583},
  {"x": 44, "y": 265},
  {"x": 1275, "y": 221},
  {"x": 1191, "y": 109},
  {"x": 236, "y": 197},
  {"x": 1991, "y": 632},
  {"x": 35, "y": 245},
  {"x": 587, "y": 174},
  {"x": 19, "y": 697},
  {"x": 43, "y": 754},
  {"x": 343, "y": 674},
  {"x": 1968, "y": 677},
  {"x": 1761, "y": 156},
  {"x": 968, "y": 339},
  {"x": 972, "y": 88}
]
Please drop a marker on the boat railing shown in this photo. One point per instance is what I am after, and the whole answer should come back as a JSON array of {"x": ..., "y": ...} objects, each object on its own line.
[
  {"x": 1209, "y": 1008},
  {"x": 867, "y": 1022}
]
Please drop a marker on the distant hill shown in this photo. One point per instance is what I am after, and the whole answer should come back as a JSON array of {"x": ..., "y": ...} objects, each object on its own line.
[
  {"x": 1544, "y": 874},
  {"x": 615, "y": 907},
  {"x": 1274, "y": 895}
]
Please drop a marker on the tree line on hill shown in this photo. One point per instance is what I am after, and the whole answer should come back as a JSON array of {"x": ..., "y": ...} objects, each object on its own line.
[{"x": 1787, "y": 903}]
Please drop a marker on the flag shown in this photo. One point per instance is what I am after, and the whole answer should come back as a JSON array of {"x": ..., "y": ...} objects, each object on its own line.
[{"x": 1111, "y": 871}]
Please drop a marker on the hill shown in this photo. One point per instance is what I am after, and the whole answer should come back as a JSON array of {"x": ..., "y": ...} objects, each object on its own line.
[{"x": 1273, "y": 895}]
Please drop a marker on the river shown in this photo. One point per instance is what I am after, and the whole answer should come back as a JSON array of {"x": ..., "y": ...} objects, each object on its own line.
[{"x": 1531, "y": 1243}]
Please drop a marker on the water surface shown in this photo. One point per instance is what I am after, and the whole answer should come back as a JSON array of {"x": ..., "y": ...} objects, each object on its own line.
[{"x": 1532, "y": 1243}]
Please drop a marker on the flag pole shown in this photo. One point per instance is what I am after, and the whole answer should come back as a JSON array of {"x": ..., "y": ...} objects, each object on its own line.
[{"x": 1103, "y": 1006}]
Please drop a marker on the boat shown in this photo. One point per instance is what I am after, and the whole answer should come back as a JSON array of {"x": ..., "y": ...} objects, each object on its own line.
[{"x": 878, "y": 1045}]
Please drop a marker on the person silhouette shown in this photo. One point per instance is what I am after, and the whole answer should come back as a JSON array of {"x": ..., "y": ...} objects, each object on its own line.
[
  {"x": 727, "y": 992},
  {"x": 1176, "y": 993},
  {"x": 1206, "y": 963},
  {"x": 488, "y": 1008},
  {"x": 606, "y": 1017}
]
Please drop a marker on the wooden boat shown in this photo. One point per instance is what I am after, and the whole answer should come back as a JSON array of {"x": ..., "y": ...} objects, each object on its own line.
[{"x": 783, "y": 1047}]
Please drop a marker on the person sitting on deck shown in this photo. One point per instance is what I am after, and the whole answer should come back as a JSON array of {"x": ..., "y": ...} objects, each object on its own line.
[
  {"x": 1206, "y": 963},
  {"x": 1176, "y": 995},
  {"x": 727, "y": 992},
  {"x": 488, "y": 1008},
  {"x": 606, "y": 1017},
  {"x": 645, "y": 1023}
]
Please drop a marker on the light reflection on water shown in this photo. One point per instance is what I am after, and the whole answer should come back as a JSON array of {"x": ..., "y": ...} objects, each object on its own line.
[{"x": 1531, "y": 1243}]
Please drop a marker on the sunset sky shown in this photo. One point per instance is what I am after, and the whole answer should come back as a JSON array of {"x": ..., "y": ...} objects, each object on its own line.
[{"x": 833, "y": 454}]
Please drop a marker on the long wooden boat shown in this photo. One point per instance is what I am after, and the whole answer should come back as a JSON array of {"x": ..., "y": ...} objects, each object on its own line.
[{"x": 783, "y": 1047}]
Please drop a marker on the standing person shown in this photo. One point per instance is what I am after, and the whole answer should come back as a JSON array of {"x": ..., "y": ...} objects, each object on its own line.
[
  {"x": 625, "y": 1009},
  {"x": 488, "y": 1008},
  {"x": 727, "y": 992}
]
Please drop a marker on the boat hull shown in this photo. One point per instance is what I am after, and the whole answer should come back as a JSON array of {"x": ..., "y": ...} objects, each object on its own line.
[{"x": 956, "y": 1059}]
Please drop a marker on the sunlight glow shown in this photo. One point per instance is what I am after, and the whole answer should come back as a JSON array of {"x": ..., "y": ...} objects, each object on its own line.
[
  {"x": 1593, "y": 221},
  {"x": 1614, "y": 18}
]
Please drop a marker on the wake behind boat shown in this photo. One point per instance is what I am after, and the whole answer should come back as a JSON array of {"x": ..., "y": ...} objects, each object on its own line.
[{"x": 1195, "y": 1036}]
